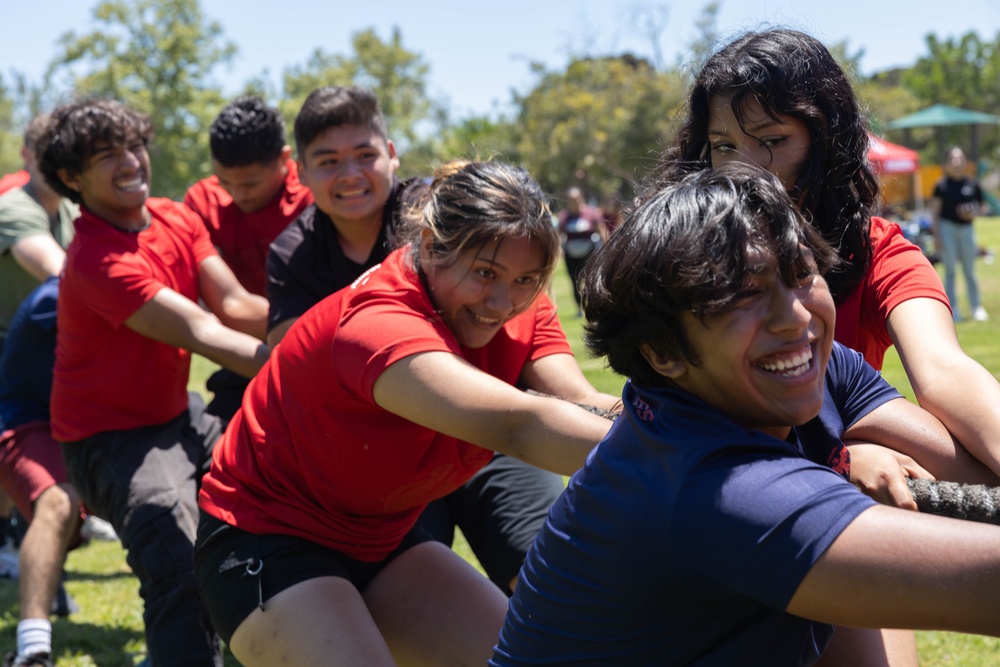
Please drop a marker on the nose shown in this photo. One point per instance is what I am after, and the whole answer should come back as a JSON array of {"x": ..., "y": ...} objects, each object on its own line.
[
  {"x": 787, "y": 312},
  {"x": 349, "y": 169},
  {"x": 500, "y": 299}
]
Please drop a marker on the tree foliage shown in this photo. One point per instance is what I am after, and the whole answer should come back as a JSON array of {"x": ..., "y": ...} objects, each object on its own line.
[
  {"x": 396, "y": 75},
  {"x": 962, "y": 72},
  {"x": 157, "y": 56},
  {"x": 600, "y": 123}
]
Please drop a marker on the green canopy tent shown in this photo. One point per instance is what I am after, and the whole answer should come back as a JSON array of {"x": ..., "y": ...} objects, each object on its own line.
[{"x": 941, "y": 115}]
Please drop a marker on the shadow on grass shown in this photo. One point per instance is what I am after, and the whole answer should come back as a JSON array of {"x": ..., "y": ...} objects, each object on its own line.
[
  {"x": 105, "y": 645},
  {"x": 77, "y": 575}
]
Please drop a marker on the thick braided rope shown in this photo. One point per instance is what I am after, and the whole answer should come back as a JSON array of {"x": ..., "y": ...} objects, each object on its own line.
[{"x": 973, "y": 502}]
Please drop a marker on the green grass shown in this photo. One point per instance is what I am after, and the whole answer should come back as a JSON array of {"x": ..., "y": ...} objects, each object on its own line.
[{"x": 107, "y": 632}]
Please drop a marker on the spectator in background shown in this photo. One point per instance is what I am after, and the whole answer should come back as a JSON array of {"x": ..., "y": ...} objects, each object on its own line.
[
  {"x": 581, "y": 230},
  {"x": 252, "y": 196},
  {"x": 36, "y": 225},
  {"x": 957, "y": 200}
]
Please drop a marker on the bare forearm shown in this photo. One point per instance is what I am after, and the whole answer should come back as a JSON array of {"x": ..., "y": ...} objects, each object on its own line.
[
  {"x": 237, "y": 351},
  {"x": 245, "y": 313},
  {"x": 555, "y": 435}
]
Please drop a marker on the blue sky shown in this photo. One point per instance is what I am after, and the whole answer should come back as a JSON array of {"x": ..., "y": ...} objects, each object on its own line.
[{"x": 479, "y": 52}]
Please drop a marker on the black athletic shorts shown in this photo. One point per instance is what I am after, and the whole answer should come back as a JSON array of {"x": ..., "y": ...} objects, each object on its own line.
[{"x": 239, "y": 571}]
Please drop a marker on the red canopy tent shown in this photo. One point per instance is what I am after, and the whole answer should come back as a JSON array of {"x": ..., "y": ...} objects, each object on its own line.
[
  {"x": 890, "y": 161},
  {"x": 888, "y": 158}
]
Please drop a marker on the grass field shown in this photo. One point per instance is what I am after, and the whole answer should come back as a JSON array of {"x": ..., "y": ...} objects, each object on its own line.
[{"x": 107, "y": 632}]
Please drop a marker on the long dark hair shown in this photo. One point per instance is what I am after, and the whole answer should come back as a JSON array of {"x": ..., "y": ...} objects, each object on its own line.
[{"x": 790, "y": 73}]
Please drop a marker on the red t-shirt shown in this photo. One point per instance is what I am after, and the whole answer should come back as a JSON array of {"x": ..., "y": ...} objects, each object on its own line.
[
  {"x": 243, "y": 238},
  {"x": 15, "y": 180},
  {"x": 108, "y": 377},
  {"x": 311, "y": 454},
  {"x": 898, "y": 272}
]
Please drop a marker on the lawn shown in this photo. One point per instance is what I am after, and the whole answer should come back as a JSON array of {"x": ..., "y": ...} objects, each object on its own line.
[{"x": 107, "y": 632}]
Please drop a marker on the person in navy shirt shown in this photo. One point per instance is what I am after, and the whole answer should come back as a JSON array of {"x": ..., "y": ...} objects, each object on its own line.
[{"x": 714, "y": 525}]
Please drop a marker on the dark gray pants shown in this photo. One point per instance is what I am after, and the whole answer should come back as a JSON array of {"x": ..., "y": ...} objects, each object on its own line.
[{"x": 145, "y": 482}]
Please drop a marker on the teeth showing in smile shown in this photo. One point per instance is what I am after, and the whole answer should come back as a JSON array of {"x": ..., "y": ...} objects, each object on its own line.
[
  {"x": 793, "y": 367},
  {"x": 351, "y": 193},
  {"x": 131, "y": 184},
  {"x": 489, "y": 321}
]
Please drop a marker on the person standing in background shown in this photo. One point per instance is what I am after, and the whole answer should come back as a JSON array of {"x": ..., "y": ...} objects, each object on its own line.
[
  {"x": 957, "y": 201},
  {"x": 580, "y": 228}
]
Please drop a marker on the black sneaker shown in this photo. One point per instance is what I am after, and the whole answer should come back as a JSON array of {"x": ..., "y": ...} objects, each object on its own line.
[{"x": 33, "y": 660}]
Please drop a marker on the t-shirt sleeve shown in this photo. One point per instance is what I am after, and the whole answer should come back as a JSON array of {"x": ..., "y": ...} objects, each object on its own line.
[
  {"x": 857, "y": 388},
  {"x": 201, "y": 241},
  {"x": 549, "y": 337},
  {"x": 287, "y": 296},
  {"x": 383, "y": 332},
  {"x": 19, "y": 222},
  {"x": 759, "y": 526},
  {"x": 115, "y": 286},
  {"x": 900, "y": 271}
]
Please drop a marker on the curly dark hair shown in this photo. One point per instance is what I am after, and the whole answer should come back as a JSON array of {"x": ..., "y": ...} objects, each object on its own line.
[
  {"x": 74, "y": 131},
  {"x": 247, "y": 132},
  {"x": 790, "y": 73},
  {"x": 688, "y": 247}
]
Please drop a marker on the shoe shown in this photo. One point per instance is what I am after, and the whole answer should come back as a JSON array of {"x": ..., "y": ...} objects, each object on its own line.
[
  {"x": 95, "y": 528},
  {"x": 33, "y": 660},
  {"x": 63, "y": 603},
  {"x": 10, "y": 566},
  {"x": 980, "y": 314}
]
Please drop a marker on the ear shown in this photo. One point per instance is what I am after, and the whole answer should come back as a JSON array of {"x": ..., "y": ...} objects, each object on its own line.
[
  {"x": 71, "y": 181},
  {"x": 393, "y": 157},
  {"x": 286, "y": 153},
  {"x": 426, "y": 245},
  {"x": 668, "y": 367}
]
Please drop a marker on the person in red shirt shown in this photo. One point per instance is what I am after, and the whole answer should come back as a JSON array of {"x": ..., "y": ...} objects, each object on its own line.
[
  {"x": 779, "y": 99},
  {"x": 14, "y": 180},
  {"x": 135, "y": 443},
  {"x": 383, "y": 397},
  {"x": 252, "y": 196}
]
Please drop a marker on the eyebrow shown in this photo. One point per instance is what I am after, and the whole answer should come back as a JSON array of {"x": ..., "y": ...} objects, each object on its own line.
[
  {"x": 329, "y": 151},
  {"x": 492, "y": 262}
]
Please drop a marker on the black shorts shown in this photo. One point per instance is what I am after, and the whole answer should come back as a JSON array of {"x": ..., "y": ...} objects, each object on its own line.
[{"x": 239, "y": 571}]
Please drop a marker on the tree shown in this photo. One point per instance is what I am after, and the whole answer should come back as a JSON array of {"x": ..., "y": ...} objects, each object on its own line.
[
  {"x": 156, "y": 56},
  {"x": 10, "y": 138},
  {"x": 965, "y": 73},
  {"x": 397, "y": 76},
  {"x": 601, "y": 123}
]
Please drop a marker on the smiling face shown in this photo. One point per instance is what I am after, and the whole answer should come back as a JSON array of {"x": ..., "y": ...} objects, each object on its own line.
[
  {"x": 779, "y": 145},
  {"x": 485, "y": 287},
  {"x": 763, "y": 361},
  {"x": 114, "y": 182},
  {"x": 253, "y": 186},
  {"x": 349, "y": 169}
]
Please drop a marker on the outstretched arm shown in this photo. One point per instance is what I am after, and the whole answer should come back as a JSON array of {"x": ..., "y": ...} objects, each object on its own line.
[
  {"x": 173, "y": 319},
  {"x": 559, "y": 375},
  {"x": 223, "y": 294},
  {"x": 947, "y": 382},
  {"x": 896, "y": 569},
  {"x": 443, "y": 392},
  {"x": 39, "y": 255}
]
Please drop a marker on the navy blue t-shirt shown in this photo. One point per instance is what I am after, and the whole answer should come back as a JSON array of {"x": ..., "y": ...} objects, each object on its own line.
[
  {"x": 685, "y": 536},
  {"x": 28, "y": 355}
]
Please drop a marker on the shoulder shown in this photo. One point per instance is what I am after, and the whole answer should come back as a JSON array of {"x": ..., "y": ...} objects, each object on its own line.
[
  {"x": 301, "y": 231},
  {"x": 18, "y": 206},
  {"x": 206, "y": 193}
]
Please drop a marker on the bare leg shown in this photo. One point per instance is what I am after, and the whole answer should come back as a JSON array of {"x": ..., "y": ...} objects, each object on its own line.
[
  {"x": 872, "y": 648},
  {"x": 433, "y": 608},
  {"x": 43, "y": 550},
  {"x": 317, "y": 622}
]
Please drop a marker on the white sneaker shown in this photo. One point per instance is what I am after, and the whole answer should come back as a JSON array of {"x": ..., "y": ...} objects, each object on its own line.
[
  {"x": 980, "y": 314},
  {"x": 10, "y": 566},
  {"x": 96, "y": 528}
]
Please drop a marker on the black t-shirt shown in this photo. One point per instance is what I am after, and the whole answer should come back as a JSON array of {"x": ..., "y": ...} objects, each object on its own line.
[
  {"x": 306, "y": 264},
  {"x": 957, "y": 192}
]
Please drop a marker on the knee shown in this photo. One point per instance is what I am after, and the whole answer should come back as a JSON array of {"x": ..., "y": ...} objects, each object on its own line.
[{"x": 58, "y": 505}]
